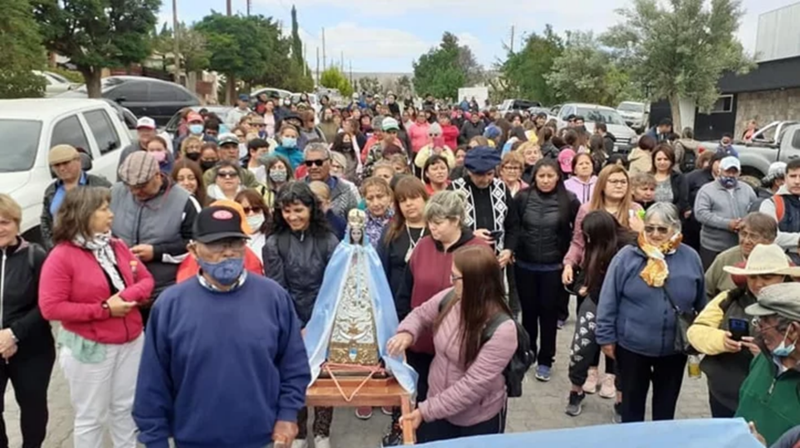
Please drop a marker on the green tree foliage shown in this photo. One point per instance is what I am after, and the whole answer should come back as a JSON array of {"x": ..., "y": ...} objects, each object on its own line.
[
  {"x": 191, "y": 45},
  {"x": 443, "y": 70},
  {"x": 522, "y": 74},
  {"x": 404, "y": 86},
  {"x": 21, "y": 51},
  {"x": 297, "y": 44},
  {"x": 370, "y": 85},
  {"x": 584, "y": 72},
  {"x": 299, "y": 75},
  {"x": 681, "y": 48},
  {"x": 95, "y": 34},
  {"x": 333, "y": 78}
]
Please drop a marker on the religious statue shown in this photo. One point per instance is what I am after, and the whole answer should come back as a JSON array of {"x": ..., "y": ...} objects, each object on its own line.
[{"x": 354, "y": 315}]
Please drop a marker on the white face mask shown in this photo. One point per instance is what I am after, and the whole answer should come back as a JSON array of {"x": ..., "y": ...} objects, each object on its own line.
[{"x": 255, "y": 222}]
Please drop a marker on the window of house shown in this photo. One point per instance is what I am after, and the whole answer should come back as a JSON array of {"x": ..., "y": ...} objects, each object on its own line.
[{"x": 723, "y": 105}]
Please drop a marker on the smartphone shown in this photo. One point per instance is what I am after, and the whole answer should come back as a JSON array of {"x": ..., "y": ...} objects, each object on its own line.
[
  {"x": 738, "y": 328},
  {"x": 496, "y": 234}
]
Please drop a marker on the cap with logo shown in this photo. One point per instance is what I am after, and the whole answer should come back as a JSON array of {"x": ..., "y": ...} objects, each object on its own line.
[
  {"x": 730, "y": 162},
  {"x": 145, "y": 123},
  {"x": 782, "y": 299},
  {"x": 217, "y": 223},
  {"x": 228, "y": 139},
  {"x": 61, "y": 154},
  {"x": 390, "y": 124},
  {"x": 138, "y": 168}
]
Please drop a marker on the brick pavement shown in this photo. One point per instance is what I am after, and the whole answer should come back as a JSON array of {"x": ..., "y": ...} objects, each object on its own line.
[{"x": 540, "y": 407}]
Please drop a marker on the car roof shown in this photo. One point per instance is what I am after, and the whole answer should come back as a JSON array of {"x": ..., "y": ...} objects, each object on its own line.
[
  {"x": 589, "y": 106},
  {"x": 141, "y": 78},
  {"x": 42, "y": 108}
]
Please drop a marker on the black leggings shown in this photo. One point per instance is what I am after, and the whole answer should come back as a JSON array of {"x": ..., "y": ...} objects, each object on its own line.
[
  {"x": 539, "y": 296},
  {"x": 444, "y": 430},
  {"x": 29, "y": 374},
  {"x": 638, "y": 371},
  {"x": 584, "y": 351}
]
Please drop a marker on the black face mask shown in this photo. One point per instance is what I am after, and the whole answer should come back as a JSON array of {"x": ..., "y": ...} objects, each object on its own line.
[
  {"x": 347, "y": 146},
  {"x": 193, "y": 156},
  {"x": 208, "y": 164}
]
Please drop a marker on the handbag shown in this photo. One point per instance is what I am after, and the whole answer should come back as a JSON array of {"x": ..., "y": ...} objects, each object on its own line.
[{"x": 683, "y": 320}]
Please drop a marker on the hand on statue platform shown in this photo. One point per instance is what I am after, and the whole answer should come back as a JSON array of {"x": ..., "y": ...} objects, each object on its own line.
[
  {"x": 415, "y": 418},
  {"x": 398, "y": 343}
]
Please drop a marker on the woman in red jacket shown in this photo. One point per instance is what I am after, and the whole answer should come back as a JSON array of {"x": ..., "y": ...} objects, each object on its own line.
[{"x": 92, "y": 285}]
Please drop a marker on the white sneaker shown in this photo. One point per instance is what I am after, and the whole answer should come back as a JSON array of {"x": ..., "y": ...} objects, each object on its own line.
[
  {"x": 322, "y": 442},
  {"x": 607, "y": 389},
  {"x": 300, "y": 443},
  {"x": 590, "y": 386}
]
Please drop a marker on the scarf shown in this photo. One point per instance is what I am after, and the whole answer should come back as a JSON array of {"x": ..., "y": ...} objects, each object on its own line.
[
  {"x": 100, "y": 246},
  {"x": 375, "y": 226},
  {"x": 656, "y": 271}
]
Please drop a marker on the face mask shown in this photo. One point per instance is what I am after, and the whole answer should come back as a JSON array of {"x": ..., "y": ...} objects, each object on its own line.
[
  {"x": 277, "y": 176},
  {"x": 438, "y": 141},
  {"x": 289, "y": 142},
  {"x": 207, "y": 164},
  {"x": 347, "y": 146},
  {"x": 728, "y": 182},
  {"x": 256, "y": 221},
  {"x": 226, "y": 272},
  {"x": 783, "y": 350},
  {"x": 196, "y": 129},
  {"x": 193, "y": 156},
  {"x": 160, "y": 156}
]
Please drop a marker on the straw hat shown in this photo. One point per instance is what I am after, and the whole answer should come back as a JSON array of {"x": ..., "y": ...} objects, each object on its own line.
[{"x": 764, "y": 260}]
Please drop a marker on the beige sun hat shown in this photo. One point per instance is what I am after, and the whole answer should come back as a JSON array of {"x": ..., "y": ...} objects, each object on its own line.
[{"x": 766, "y": 259}]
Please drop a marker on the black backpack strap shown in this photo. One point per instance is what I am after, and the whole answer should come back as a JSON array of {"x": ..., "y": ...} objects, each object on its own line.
[
  {"x": 32, "y": 257},
  {"x": 492, "y": 325},
  {"x": 446, "y": 300}
]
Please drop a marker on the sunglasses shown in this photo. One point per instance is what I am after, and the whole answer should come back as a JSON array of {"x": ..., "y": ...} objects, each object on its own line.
[
  {"x": 227, "y": 174},
  {"x": 248, "y": 210},
  {"x": 310, "y": 163},
  {"x": 653, "y": 229},
  {"x": 258, "y": 125}
]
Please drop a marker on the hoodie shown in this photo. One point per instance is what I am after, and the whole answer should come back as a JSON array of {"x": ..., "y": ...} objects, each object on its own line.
[
  {"x": 293, "y": 155},
  {"x": 583, "y": 190}
]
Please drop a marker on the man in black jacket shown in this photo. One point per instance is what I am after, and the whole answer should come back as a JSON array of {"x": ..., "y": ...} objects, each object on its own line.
[
  {"x": 65, "y": 161},
  {"x": 472, "y": 128}
]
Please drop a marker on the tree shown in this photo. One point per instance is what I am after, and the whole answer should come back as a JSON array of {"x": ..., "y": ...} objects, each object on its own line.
[
  {"x": 441, "y": 71},
  {"x": 192, "y": 45},
  {"x": 369, "y": 85},
  {"x": 333, "y": 78},
  {"x": 680, "y": 50},
  {"x": 300, "y": 79},
  {"x": 96, "y": 34},
  {"x": 523, "y": 73},
  {"x": 21, "y": 51},
  {"x": 404, "y": 86},
  {"x": 297, "y": 44},
  {"x": 586, "y": 73}
]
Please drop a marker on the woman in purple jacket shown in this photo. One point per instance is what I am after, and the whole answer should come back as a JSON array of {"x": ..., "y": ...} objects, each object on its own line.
[{"x": 466, "y": 397}]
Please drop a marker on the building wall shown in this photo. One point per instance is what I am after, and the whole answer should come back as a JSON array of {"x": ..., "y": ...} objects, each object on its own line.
[
  {"x": 778, "y": 35},
  {"x": 766, "y": 107}
]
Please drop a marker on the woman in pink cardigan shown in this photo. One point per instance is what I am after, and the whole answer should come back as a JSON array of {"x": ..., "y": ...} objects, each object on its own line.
[
  {"x": 92, "y": 283},
  {"x": 467, "y": 394}
]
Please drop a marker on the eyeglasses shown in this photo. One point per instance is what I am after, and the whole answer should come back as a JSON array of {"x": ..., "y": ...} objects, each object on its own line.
[
  {"x": 512, "y": 168},
  {"x": 454, "y": 278},
  {"x": 310, "y": 163},
  {"x": 653, "y": 229},
  {"x": 258, "y": 125},
  {"x": 248, "y": 210},
  {"x": 618, "y": 182},
  {"x": 222, "y": 246},
  {"x": 227, "y": 174},
  {"x": 751, "y": 236}
]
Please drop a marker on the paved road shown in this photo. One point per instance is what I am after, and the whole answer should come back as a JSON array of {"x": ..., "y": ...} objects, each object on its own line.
[{"x": 540, "y": 407}]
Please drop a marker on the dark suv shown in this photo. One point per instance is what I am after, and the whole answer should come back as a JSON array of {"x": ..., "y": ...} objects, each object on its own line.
[{"x": 145, "y": 97}]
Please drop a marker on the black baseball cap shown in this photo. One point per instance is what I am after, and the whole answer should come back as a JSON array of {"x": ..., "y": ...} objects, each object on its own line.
[{"x": 218, "y": 223}]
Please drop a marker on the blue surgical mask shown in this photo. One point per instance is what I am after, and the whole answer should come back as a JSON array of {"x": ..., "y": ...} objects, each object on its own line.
[
  {"x": 783, "y": 350},
  {"x": 728, "y": 182},
  {"x": 225, "y": 272},
  {"x": 196, "y": 129},
  {"x": 289, "y": 142}
]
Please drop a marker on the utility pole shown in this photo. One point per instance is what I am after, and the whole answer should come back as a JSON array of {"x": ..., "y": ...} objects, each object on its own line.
[
  {"x": 512, "y": 38},
  {"x": 305, "y": 58},
  {"x": 351, "y": 72},
  {"x": 249, "y": 5},
  {"x": 324, "y": 56},
  {"x": 317, "y": 65},
  {"x": 231, "y": 88},
  {"x": 229, "y": 8},
  {"x": 175, "y": 42},
  {"x": 341, "y": 65}
]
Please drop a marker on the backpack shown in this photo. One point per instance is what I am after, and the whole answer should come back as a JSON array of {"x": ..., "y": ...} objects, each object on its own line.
[
  {"x": 689, "y": 159},
  {"x": 523, "y": 357}
]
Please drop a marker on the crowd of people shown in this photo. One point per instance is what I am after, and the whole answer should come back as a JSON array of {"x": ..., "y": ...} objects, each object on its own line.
[{"x": 202, "y": 265}]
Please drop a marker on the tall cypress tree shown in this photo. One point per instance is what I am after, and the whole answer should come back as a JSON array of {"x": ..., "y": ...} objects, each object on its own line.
[{"x": 297, "y": 44}]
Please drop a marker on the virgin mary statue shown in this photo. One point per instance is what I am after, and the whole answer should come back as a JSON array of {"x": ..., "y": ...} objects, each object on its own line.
[{"x": 354, "y": 315}]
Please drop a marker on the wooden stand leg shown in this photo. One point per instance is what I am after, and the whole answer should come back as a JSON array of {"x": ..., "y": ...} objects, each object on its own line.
[{"x": 408, "y": 431}]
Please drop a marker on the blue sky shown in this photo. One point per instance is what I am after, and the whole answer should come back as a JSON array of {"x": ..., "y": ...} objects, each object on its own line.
[{"x": 387, "y": 35}]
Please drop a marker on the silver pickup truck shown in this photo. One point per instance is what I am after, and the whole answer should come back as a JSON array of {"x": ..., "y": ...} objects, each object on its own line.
[{"x": 778, "y": 141}]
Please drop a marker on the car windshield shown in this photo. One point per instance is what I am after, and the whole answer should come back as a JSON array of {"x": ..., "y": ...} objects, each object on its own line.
[
  {"x": 105, "y": 84},
  {"x": 607, "y": 116},
  {"x": 631, "y": 107},
  {"x": 20, "y": 142}
]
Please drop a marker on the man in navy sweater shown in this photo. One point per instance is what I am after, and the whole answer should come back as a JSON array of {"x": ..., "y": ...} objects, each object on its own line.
[{"x": 224, "y": 364}]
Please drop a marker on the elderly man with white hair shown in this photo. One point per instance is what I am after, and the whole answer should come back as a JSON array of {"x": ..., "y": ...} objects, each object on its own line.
[{"x": 317, "y": 159}]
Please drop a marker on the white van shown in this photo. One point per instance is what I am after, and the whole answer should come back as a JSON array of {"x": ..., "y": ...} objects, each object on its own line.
[{"x": 30, "y": 127}]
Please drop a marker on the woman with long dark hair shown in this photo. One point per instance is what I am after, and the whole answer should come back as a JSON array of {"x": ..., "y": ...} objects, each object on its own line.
[
  {"x": 547, "y": 211},
  {"x": 295, "y": 255},
  {"x": 188, "y": 175},
  {"x": 344, "y": 143},
  {"x": 467, "y": 394},
  {"x": 604, "y": 237}
]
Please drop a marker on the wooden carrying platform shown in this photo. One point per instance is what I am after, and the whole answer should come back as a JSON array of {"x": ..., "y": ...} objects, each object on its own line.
[{"x": 375, "y": 392}]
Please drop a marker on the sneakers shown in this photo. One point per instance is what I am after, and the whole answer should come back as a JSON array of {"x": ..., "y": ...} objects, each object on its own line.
[
  {"x": 387, "y": 410},
  {"x": 322, "y": 442},
  {"x": 607, "y": 389},
  {"x": 617, "y": 413},
  {"x": 590, "y": 386},
  {"x": 364, "y": 413},
  {"x": 542, "y": 373},
  {"x": 300, "y": 443},
  {"x": 574, "y": 407},
  {"x": 394, "y": 437}
]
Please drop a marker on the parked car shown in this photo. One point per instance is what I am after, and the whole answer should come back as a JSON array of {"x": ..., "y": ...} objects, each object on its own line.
[
  {"x": 513, "y": 105},
  {"x": 172, "y": 125},
  {"x": 636, "y": 115},
  {"x": 55, "y": 83},
  {"x": 594, "y": 113},
  {"x": 145, "y": 97},
  {"x": 30, "y": 127},
  {"x": 282, "y": 94},
  {"x": 777, "y": 141}
]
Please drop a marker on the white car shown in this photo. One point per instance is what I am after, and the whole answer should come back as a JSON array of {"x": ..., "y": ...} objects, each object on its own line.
[
  {"x": 594, "y": 113},
  {"x": 30, "y": 127},
  {"x": 56, "y": 84},
  {"x": 636, "y": 115}
]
